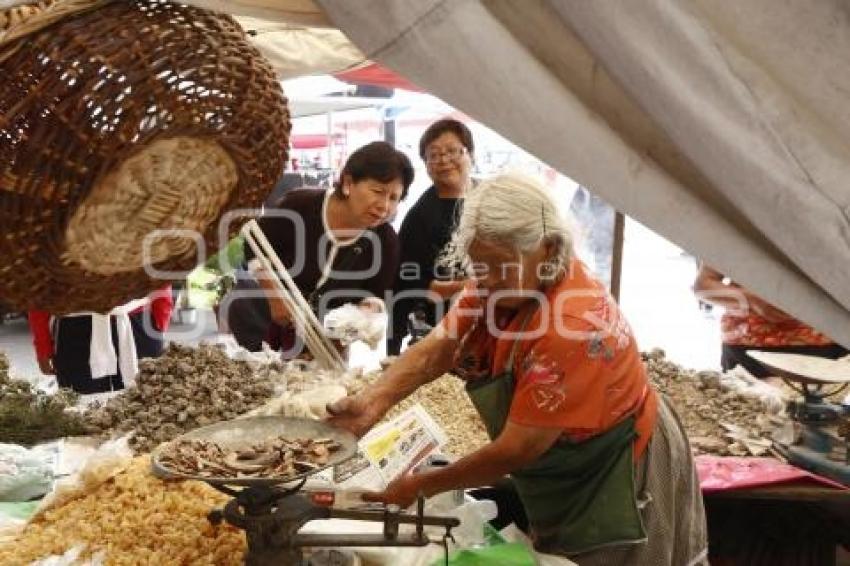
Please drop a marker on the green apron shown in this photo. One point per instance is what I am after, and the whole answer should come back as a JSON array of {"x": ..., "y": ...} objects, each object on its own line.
[{"x": 578, "y": 496}]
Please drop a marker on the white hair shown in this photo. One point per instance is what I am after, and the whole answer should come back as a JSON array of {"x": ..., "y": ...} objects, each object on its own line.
[{"x": 516, "y": 210}]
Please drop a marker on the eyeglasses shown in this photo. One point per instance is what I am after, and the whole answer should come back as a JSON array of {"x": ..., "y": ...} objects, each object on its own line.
[{"x": 452, "y": 154}]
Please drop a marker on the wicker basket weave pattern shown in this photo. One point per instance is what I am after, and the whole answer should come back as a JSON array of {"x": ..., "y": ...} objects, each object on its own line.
[{"x": 138, "y": 116}]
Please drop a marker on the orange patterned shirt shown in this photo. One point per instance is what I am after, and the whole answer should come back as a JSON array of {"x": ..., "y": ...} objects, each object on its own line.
[
  {"x": 753, "y": 330},
  {"x": 577, "y": 368}
]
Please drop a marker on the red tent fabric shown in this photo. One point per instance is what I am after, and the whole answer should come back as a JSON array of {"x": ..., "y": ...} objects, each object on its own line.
[
  {"x": 374, "y": 74},
  {"x": 312, "y": 141}
]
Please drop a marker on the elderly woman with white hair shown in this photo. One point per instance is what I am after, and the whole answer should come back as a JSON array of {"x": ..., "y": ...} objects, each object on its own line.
[{"x": 599, "y": 460}]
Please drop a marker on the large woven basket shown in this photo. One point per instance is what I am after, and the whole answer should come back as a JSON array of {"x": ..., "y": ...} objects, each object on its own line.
[{"x": 118, "y": 120}]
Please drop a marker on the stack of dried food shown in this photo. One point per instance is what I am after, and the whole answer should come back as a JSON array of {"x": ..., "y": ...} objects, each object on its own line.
[
  {"x": 137, "y": 519},
  {"x": 717, "y": 420},
  {"x": 277, "y": 458},
  {"x": 184, "y": 389},
  {"x": 29, "y": 416}
]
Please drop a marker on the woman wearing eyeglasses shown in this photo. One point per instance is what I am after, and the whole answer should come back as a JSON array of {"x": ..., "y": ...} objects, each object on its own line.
[{"x": 447, "y": 149}]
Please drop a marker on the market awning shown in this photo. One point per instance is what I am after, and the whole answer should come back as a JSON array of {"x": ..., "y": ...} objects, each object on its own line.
[
  {"x": 313, "y": 141},
  {"x": 723, "y": 127},
  {"x": 302, "y": 107},
  {"x": 373, "y": 74}
]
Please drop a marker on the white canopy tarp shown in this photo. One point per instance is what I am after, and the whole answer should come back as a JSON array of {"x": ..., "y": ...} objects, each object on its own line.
[
  {"x": 295, "y": 50},
  {"x": 724, "y": 126}
]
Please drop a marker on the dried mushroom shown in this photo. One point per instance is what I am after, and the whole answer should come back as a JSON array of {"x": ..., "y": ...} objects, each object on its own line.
[
  {"x": 184, "y": 389},
  {"x": 717, "y": 421}
]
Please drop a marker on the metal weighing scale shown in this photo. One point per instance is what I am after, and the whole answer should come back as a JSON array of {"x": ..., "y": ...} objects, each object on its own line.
[
  {"x": 271, "y": 511},
  {"x": 822, "y": 428}
]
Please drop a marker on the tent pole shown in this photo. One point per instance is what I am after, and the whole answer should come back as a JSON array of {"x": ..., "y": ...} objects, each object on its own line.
[
  {"x": 330, "y": 120},
  {"x": 617, "y": 254}
]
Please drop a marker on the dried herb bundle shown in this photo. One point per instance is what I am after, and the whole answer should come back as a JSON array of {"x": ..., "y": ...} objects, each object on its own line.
[{"x": 29, "y": 416}]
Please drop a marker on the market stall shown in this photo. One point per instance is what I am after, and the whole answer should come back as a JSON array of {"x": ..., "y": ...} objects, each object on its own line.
[{"x": 761, "y": 180}]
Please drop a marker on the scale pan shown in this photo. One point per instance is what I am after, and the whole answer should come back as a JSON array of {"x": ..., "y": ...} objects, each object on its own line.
[
  {"x": 804, "y": 369},
  {"x": 240, "y": 433}
]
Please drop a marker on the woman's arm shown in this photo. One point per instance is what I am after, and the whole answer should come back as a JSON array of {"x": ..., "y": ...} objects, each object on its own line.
[
  {"x": 515, "y": 448},
  {"x": 710, "y": 287},
  {"x": 274, "y": 296},
  {"x": 387, "y": 254},
  {"x": 419, "y": 364}
]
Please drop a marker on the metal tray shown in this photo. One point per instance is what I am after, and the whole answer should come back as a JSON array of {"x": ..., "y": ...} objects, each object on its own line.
[
  {"x": 240, "y": 433},
  {"x": 804, "y": 369}
]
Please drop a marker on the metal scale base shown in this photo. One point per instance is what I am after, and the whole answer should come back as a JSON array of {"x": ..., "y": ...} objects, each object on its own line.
[
  {"x": 271, "y": 513},
  {"x": 823, "y": 442}
]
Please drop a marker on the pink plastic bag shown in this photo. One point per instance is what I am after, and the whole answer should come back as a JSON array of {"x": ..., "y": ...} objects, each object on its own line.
[{"x": 718, "y": 473}]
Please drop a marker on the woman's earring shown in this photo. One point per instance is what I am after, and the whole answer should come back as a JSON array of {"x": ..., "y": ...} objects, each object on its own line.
[{"x": 548, "y": 271}]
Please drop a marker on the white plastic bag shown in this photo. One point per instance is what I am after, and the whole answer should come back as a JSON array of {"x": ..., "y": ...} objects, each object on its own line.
[
  {"x": 310, "y": 404},
  {"x": 25, "y": 473},
  {"x": 72, "y": 558},
  {"x": 109, "y": 460},
  {"x": 473, "y": 515},
  {"x": 739, "y": 380},
  {"x": 350, "y": 323}
]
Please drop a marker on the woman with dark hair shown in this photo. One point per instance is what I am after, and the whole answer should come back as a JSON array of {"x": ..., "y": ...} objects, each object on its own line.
[
  {"x": 447, "y": 149},
  {"x": 337, "y": 245}
]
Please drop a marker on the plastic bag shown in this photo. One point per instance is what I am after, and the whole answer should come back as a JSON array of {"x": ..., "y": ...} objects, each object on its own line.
[
  {"x": 507, "y": 554},
  {"x": 350, "y": 323},
  {"x": 739, "y": 380},
  {"x": 311, "y": 404},
  {"x": 72, "y": 558},
  {"x": 25, "y": 473},
  {"x": 474, "y": 517},
  {"x": 109, "y": 460}
]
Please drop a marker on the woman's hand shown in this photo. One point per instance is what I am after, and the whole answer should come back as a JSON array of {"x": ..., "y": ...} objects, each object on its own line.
[
  {"x": 279, "y": 312},
  {"x": 372, "y": 305},
  {"x": 421, "y": 363},
  {"x": 447, "y": 288},
  {"x": 402, "y": 491},
  {"x": 356, "y": 413}
]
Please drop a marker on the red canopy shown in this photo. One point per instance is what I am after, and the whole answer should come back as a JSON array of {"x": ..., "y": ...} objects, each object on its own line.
[
  {"x": 313, "y": 141},
  {"x": 374, "y": 74}
]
